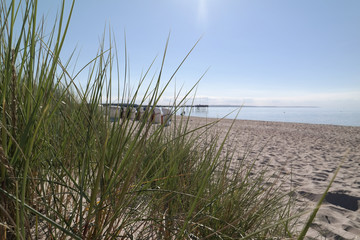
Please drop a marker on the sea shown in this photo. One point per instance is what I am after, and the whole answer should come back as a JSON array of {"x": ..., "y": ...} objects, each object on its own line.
[{"x": 313, "y": 115}]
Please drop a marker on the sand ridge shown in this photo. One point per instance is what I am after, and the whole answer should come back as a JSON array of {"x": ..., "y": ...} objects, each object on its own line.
[{"x": 309, "y": 155}]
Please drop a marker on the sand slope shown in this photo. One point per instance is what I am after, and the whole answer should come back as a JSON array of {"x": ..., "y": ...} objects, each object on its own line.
[{"x": 306, "y": 156}]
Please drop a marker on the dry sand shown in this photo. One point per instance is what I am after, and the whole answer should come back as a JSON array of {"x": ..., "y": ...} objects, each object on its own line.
[{"x": 309, "y": 155}]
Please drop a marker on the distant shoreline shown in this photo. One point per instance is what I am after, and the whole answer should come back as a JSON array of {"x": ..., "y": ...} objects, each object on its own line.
[
  {"x": 250, "y": 106},
  {"x": 203, "y": 105}
]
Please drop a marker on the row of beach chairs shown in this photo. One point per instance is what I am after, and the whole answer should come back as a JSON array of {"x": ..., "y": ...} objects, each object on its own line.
[{"x": 158, "y": 115}]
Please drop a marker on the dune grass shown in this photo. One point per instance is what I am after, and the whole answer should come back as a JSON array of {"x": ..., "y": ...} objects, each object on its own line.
[{"x": 68, "y": 172}]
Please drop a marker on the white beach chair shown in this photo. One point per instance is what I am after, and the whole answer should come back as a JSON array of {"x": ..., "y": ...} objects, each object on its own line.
[
  {"x": 140, "y": 113},
  {"x": 166, "y": 117},
  {"x": 132, "y": 113},
  {"x": 114, "y": 113},
  {"x": 157, "y": 115}
]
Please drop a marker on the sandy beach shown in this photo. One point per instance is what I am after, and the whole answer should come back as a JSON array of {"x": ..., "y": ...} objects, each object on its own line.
[{"x": 306, "y": 156}]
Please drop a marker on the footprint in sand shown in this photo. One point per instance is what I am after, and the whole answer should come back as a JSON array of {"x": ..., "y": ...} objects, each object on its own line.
[
  {"x": 320, "y": 176},
  {"x": 352, "y": 230}
]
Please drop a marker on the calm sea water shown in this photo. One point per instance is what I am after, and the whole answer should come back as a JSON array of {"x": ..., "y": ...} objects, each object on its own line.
[{"x": 280, "y": 114}]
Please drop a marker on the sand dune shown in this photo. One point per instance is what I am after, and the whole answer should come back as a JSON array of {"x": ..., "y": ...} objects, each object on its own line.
[{"x": 306, "y": 156}]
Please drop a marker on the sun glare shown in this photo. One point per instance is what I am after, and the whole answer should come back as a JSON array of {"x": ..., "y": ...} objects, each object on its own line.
[{"x": 202, "y": 12}]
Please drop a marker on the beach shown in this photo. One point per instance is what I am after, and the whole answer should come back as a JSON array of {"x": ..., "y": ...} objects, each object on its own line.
[{"x": 305, "y": 158}]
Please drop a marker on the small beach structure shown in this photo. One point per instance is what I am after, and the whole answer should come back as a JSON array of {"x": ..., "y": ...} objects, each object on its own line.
[
  {"x": 131, "y": 113},
  {"x": 157, "y": 114},
  {"x": 166, "y": 116},
  {"x": 125, "y": 112},
  {"x": 140, "y": 111},
  {"x": 115, "y": 112},
  {"x": 134, "y": 112}
]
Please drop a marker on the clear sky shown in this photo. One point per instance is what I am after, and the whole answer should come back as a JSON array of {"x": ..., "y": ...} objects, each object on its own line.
[{"x": 269, "y": 52}]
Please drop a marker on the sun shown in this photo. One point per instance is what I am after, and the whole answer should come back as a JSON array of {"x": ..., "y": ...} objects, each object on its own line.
[{"x": 202, "y": 12}]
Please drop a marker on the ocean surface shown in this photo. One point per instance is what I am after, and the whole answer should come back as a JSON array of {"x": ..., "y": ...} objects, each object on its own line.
[{"x": 314, "y": 115}]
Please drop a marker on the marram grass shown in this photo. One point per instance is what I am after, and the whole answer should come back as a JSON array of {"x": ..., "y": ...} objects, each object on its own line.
[{"x": 66, "y": 172}]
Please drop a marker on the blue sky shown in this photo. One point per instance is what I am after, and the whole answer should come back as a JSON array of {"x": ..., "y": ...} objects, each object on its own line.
[{"x": 269, "y": 52}]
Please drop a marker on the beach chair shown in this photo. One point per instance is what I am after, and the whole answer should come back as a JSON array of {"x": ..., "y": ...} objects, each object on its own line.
[
  {"x": 157, "y": 115},
  {"x": 132, "y": 113},
  {"x": 166, "y": 117},
  {"x": 114, "y": 113}
]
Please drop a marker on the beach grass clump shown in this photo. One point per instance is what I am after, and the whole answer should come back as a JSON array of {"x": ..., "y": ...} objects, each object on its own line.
[{"x": 68, "y": 172}]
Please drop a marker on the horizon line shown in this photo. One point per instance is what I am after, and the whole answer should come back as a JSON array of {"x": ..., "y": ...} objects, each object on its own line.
[{"x": 221, "y": 105}]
